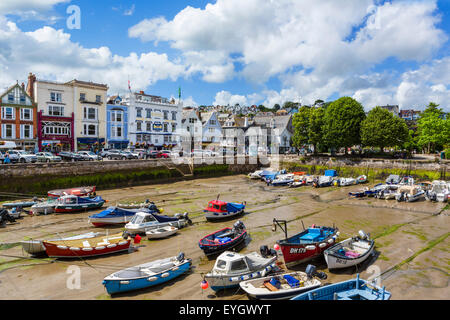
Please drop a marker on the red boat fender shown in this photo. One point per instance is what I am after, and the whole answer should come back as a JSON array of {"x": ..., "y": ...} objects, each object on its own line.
[{"x": 137, "y": 239}]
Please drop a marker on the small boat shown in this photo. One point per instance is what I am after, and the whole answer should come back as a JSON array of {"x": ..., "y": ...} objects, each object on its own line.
[
  {"x": 70, "y": 204},
  {"x": 349, "y": 252},
  {"x": 80, "y": 192},
  {"x": 439, "y": 191},
  {"x": 388, "y": 192},
  {"x": 147, "y": 275},
  {"x": 36, "y": 247},
  {"x": 282, "y": 180},
  {"x": 409, "y": 193},
  {"x": 5, "y": 217},
  {"x": 361, "y": 179},
  {"x": 86, "y": 247},
  {"x": 271, "y": 175},
  {"x": 18, "y": 204},
  {"x": 134, "y": 205},
  {"x": 145, "y": 221},
  {"x": 306, "y": 245},
  {"x": 44, "y": 207},
  {"x": 115, "y": 215},
  {"x": 224, "y": 239},
  {"x": 231, "y": 268},
  {"x": 220, "y": 210},
  {"x": 357, "y": 194},
  {"x": 297, "y": 183},
  {"x": 355, "y": 289},
  {"x": 15, "y": 212},
  {"x": 372, "y": 192},
  {"x": 393, "y": 179},
  {"x": 323, "y": 181},
  {"x": 281, "y": 286},
  {"x": 160, "y": 233},
  {"x": 342, "y": 182}
]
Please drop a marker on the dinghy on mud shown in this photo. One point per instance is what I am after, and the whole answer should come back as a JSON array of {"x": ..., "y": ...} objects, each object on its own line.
[
  {"x": 224, "y": 239},
  {"x": 221, "y": 210}
]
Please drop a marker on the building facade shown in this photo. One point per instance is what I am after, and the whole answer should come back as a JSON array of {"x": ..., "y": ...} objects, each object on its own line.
[
  {"x": 211, "y": 129},
  {"x": 18, "y": 119},
  {"x": 153, "y": 121},
  {"x": 116, "y": 124},
  {"x": 191, "y": 130}
]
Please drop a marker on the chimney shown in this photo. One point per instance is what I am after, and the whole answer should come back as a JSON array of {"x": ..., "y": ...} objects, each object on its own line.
[
  {"x": 23, "y": 86},
  {"x": 30, "y": 85}
]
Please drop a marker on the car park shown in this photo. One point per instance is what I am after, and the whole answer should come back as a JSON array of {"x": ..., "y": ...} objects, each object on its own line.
[{"x": 47, "y": 157}]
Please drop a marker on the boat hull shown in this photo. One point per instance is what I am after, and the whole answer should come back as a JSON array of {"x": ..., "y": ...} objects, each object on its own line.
[
  {"x": 212, "y": 249},
  {"x": 55, "y": 251},
  {"x": 217, "y": 216},
  {"x": 339, "y": 262},
  {"x": 78, "y": 207}
]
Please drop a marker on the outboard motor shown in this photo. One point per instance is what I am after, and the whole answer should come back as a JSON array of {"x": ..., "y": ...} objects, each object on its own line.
[
  {"x": 238, "y": 226},
  {"x": 266, "y": 252},
  {"x": 362, "y": 234},
  {"x": 311, "y": 271},
  {"x": 186, "y": 217},
  {"x": 152, "y": 206},
  {"x": 180, "y": 257}
]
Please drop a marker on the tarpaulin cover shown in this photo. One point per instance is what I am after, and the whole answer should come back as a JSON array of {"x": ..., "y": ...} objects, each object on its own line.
[{"x": 235, "y": 207}]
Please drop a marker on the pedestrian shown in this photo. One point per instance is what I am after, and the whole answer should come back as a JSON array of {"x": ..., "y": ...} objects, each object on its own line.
[{"x": 7, "y": 159}]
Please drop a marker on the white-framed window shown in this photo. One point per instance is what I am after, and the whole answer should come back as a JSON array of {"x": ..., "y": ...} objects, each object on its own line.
[
  {"x": 116, "y": 132},
  {"x": 166, "y": 139},
  {"x": 98, "y": 98},
  {"x": 192, "y": 120},
  {"x": 148, "y": 113},
  {"x": 10, "y": 97},
  {"x": 174, "y": 116},
  {"x": 8, "y": 131},
  {"x": 82, "y": 96},
  {"x": 55, "y": 97},
  {"x": 211, "y": 130},
  {"x": 90, "y": 130},
  {"x": 26, "y": 131},
  {"x": 56, "y": 111},
  {"x": 148, "y": 126},
  {"x": 117, "y": 116},
  {"x": 57, "y": 130},
  {"x": 90, "y": 113},
  {"x": 166, "y": 127},
  {"x": 166, "y": 115},
  {"x": 26, "y": 114},
  {"x": 212, "y": 122},
  {"x": 8, "y": 113},
  {"x": 174, "y": 127},
  {"x": 139, "y": 112},
  {"x": 138, "y": 126}
]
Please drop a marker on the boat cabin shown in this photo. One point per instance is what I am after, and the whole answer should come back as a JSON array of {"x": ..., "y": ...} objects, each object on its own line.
[
  {"x": 231, "y": 263},
  {"x": 217, "y": 206},
  {"x": 66, "y": 200}
]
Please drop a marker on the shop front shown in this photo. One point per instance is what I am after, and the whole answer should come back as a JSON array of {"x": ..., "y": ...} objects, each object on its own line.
[{"x": 90, "y": 144}]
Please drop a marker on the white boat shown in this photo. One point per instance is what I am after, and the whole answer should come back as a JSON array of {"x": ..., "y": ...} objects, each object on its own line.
[
  {"x": 145, "y": 221},
  {"x": 409, "y": 193},
  {"x": 232, "y": 267},
  {"x": 440, "y": 191},
  {"x": 345, "y": 182},
  {"x": 361, "y": 179},
  {"x": 35, "y": 247},
  {"x": 388, "y": 192},
  {"x": 15, "y": 213},
  {"x": 349, "y": 252},
  {"x": 280, "y": 286},
  {"x": 282, "y": 180},
  {"x": 44, "y": 207},
  {"x": 162, "y": 232}
]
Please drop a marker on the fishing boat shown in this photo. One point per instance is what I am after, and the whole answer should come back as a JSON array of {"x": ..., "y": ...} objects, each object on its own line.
[
  {"x": 88, "y": 247},
  {"x": 281, "y": 286},
  {"x": 306, "y": 245},
  {"x": 224, "y": 239},
  {"x": 160, "y": 233},
  {"x": 409, "y": 193},
  {"x": 231, "y": 268},
  {"x": 282, "y": 180},
  {"x": 36, "y": 247},
  {"x": 220, "y": 210},
  {"x": 70, "y": 204},
  {"x": 147, "y": 275},
  {"x": 80, "y": 192},
  {"x": 44, "y": 207},
  {"x": 18, "y": 204},
  {"x": 354, "y": 289},
  {"x": 323, "y": 181},
  {"x": 144, "y": 221},
  {"x": 349, "y": 252},
  {"x": 439, "y": 191},
  {"x": 116, "y": 215}
]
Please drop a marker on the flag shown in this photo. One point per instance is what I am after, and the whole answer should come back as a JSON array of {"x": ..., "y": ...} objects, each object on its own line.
[
  {"x": 129, "y": 85},
  {"x": 179, "y": 92}
]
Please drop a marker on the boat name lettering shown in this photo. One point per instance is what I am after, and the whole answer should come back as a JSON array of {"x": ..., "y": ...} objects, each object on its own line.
[{"x": 297, "y": 250}]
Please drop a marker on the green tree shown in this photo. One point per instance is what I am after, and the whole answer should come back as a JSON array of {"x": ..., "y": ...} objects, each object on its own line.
[
  {"x": 276, "y": 107},
  {"x": 300, "y": 122},
  {"x": 289, "y": 104},
  {"x": 316, "y": 121},
  {"x": 382, "y": 129},
  {"x": 433, "y": 129},
  {"x": 342, "y": 123}
]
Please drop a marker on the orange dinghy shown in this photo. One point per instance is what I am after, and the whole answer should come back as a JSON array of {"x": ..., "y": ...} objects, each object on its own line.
[
  {"x": 100, "y": 245},
  {"x": 301, "y": 173}
]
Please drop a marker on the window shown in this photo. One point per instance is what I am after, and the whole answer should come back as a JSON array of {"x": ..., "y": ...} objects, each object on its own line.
[
  {"x": 166, "y": 115},
  {"x": 166, "y": 139},
  {"x": 139, "y": 126},
  {"x": 10, "y": 97},
  {"x": 8, "y": 113},
  {"x": 166, "y": 127},
  {"x": 174, "y": 127},
  {"x": 8, "y": 131},
  {"x": 238, "y": 265},
  {"x": 116, "y": 132},
  {"x": 139, "y": 112},
  {"x": 98, "y": 98},
  {"x": 82, "y": 96},
  {"x": 57, "y": 111},
  {"x": 90, "y": 130},
  {"x": 149, "y": 126},
  {"x": 221, "y": 264},
  {"x": 26, "y": 131},
  {"x": 174, "y": 116},
  {"x": 22, "y": 98},
  {"x": 192, "y": 120},
  {"x": 149, "y": 113},
  {"x": 212, "y": 122},
  {"x": 116, "y": 116},
  {"x": 55, "y": 97},
  {"x": 26, "y": 114},
  {"x": 90, "y": 113},
  {"x": 211, "y": 130}
]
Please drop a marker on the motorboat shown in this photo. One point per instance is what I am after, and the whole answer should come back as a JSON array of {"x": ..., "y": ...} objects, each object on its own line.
[
  {"x": 116, "y": 215},
  {"x": 44, "y": 207},
  {"x": 79, "y": 191},
  {"x": 144, "y": 221},
  {"x": 324, "y": 181},
  {"x": 223, "y": 239},
  {"x": 409, "y": 193},
  {"x": 439, "y": 191},
  {"x": 71, "y": 204},
  {"x": 342, "y": 182},
  {"x": 221, "y": 210},
  {"x": 282, "y": 180},
  {"x": 388, "y": 192},
  {"x": 393, "y": 179},
  {"x": 162, "y": 232}
]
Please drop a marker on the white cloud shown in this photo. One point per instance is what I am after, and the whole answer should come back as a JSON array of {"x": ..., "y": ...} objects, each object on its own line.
[
  {"x": 16, "y": 6},
  {"x": 130, "y": 12},
  {"x": 189, "y": 102},
  {"x": 224, "y": 98}
]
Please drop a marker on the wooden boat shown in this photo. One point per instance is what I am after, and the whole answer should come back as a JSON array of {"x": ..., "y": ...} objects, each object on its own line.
[
  {"x": 220, "y": 210},
  {"x": 36, "y": 247},
  {"x": 147, "y": 275},
  {"x": 231, "y": 268},
  {"x": 355, "y": 289},
  {"x": 70, "y": 204},
  {"x": 115, "y": 215},
  {"x": 349, "y": 252},
  {"x": 306, "y": 245},
  {"x": 89, "y": 247},
  {"x": 145, "y": 221},
  {"x": 163, "y": 232},
  {"x": 224, "y": 239},
  {"x": 281, "y": 286},
  {"x": 80, "y": 192}
]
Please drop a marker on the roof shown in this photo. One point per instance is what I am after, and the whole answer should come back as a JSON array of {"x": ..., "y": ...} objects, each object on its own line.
[{"x": 280, "y": 122}]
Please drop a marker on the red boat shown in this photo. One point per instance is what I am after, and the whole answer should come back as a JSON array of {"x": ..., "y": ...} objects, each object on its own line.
[
  {"x": 97, "y": 246},
  {"x": 306, "y": 245},
  {"x": 79, "y": 192}
]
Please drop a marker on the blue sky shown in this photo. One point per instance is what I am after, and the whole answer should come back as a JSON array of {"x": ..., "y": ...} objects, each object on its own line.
[{"x": 253, "y": 52}]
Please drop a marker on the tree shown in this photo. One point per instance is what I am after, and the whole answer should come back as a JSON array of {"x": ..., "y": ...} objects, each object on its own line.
[
  {"x": 289, "y": 104},
  {"x": 276, "y": 107},
  {"x": 433, "y": 128},
  {"x": 382, "y": 129},
  {"x": 300, "y": 122},
  {"x": 316, "y": 121},
  {"x": 342, "y": 123}
]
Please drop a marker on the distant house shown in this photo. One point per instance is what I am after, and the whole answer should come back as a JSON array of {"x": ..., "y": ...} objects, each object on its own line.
[
  {"x": 394, "y": 109},
  {"x": 116, "y": 123},
  {"x": 411, "y": 115},
  {"x": 277, "y": 129},
  {"x": 211, "y": 128},
  {"x": 191, "y": 129}
]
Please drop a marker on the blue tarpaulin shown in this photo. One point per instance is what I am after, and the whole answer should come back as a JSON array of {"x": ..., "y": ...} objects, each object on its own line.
[{"x": 330, "y": 173}]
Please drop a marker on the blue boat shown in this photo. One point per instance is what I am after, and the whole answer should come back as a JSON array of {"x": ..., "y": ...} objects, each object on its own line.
[
  {"x": 147, "y": 275},
  {"x": 115, "y": 215},
  {"x": 355, "y": 289},
  {"x": 372, "y": 192}
]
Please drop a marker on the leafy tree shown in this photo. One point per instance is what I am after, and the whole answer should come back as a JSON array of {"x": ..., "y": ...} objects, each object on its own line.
[
  {"x": 318, "y": 102},
  {"x": 300, "y": 122},
  {"x": 342, "y": 123},
  {"x": 289, "y": 104},
  {"x": 433, "y": 128},
  {"x": 276, "y": 107},
  {"x": 316, "y": 121},
  {"x": 382, "y": 129}
]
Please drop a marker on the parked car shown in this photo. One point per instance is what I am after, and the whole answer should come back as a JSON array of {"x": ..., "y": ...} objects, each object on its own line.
[
  {"x": 119, "y": 155},
  {"x": 70, "y": 156},
  {"x": 153, "y": 154},
  {"x": 47, "y": 157},
  {"x": 137, "y": 153},
  {"x": 14, "y": 158},
  {"x": 164, "y": 155},
  {"x": 24, "y": 156},
  {"x": 89, "y": 156}
]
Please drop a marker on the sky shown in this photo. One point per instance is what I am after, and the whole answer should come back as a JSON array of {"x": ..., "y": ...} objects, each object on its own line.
[{"x": 233, "y": 51}]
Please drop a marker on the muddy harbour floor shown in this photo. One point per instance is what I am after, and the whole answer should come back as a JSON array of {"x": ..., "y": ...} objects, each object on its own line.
[{"x": 412, "y": 244}]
